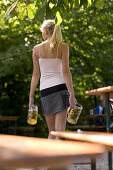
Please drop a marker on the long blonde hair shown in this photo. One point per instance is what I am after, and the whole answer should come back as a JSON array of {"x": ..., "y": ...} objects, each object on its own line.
[{"x": 55, "y": 32}]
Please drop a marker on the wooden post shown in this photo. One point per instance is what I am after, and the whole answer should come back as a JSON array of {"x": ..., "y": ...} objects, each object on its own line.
[
  {"x": 107, "y": 109},
  {"x": 93, "y": 163}
]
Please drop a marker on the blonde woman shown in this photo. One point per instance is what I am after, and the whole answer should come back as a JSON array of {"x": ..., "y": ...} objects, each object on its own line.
[{"x": 51, "y": 61}]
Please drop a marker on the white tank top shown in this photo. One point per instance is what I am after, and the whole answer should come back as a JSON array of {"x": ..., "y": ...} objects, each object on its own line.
[{"x": 51, "y": 72}]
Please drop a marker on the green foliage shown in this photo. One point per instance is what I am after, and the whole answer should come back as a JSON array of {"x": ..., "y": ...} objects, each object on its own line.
[
  {"x": 58, "y": 18},
  {"x": 86, "y": 27}
]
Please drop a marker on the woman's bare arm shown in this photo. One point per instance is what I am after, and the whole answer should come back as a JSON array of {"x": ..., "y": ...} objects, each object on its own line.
[
  {"x": 66, "y": 69},
  {"x": 67, "y": 75},
  {"x": 36, "y": 72}
]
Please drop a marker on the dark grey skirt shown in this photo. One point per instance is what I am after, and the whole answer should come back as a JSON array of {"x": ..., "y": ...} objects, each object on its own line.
[{"x": 54, "y": 99}]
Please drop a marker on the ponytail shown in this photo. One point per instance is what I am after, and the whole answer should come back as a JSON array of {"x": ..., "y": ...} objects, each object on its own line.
[
  {"x": 55, "y": 32},
  {"x": 56, "y": 38}
]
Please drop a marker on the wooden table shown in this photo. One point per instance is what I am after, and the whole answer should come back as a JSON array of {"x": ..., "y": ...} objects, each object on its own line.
[
  {"x": 10, "y": 118},
  {"x": 30, "y": 152},
  {"x": 105, "y": 93},
  {"x": 105, "y": 139}
]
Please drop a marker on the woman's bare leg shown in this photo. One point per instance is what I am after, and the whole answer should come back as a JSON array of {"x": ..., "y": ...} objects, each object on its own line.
[
  {"x": 60, "y": 121},
  {"x": 50, "y": 119}
]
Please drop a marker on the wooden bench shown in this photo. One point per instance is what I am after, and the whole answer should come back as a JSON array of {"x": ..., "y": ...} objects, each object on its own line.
[
  {"x": 87, "y": 127},
  {"x": 5, "y": 121},
  {"x": 23, "y": 130},
  {"x": 91, "y": 123},
  {"x": 89, "y": 117}
]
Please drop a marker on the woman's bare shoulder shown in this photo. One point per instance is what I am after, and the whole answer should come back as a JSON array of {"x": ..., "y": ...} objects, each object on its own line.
[
  {"x": 37, "y": 46},
  {"x": 64, "y": 45},
  {"x": 36, "y": 49}
]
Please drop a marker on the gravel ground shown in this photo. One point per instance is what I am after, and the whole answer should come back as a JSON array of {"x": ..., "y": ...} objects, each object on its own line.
[
  {"x": 101, "y": 163},
  {"x": 81, "y": 164}
]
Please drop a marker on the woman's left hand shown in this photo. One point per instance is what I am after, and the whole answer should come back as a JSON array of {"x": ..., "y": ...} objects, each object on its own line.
[{"x": 31, "y": 101}]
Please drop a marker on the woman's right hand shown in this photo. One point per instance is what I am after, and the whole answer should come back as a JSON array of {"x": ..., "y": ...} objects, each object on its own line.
[
  {"x": 31, "y": 101},
  {"x": 72, "y": 101}
]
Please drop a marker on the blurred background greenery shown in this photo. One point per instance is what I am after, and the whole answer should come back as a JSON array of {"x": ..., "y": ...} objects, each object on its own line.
[{"x": 87, "y": 28}]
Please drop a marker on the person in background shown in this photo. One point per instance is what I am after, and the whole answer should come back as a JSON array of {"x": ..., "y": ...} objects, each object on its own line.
[
  {"x": 100, "y": 110},
  {"x": 111, "y": 112},
  {"x": 51, "y": 65}
]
